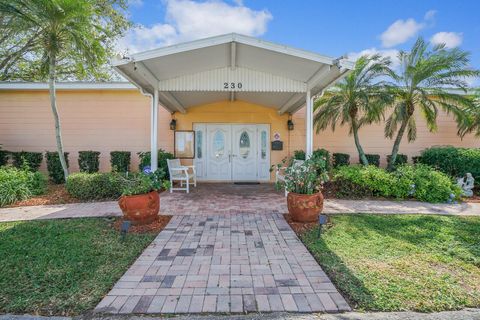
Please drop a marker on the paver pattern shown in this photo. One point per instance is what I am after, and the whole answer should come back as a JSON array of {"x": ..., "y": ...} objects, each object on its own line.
[{"x": 224, "y": 263}]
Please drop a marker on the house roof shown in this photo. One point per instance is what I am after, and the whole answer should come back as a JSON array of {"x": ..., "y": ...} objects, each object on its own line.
[{"x": 231, "y": 66}]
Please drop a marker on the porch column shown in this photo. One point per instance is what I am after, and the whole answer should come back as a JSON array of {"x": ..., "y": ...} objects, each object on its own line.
[
  {"x": 309, "y": 125},
  {"x": 154, "y": 132}
]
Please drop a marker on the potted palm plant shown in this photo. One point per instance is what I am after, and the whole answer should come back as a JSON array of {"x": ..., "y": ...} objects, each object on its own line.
[
  {"x": 140, "y": 200},
  {"x": 304, "y": 183}
]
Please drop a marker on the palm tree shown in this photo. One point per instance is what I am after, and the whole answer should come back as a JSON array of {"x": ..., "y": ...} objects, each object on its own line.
[
  {"x": 357, "y": 100},
  {"x": 48, "y": 39},
  {"x": 428, "y": 80}
]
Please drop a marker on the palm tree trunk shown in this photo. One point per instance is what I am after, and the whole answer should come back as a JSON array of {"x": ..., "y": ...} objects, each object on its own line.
[
  {"x": 396, "y": 144},
  {"x": 53, "y": 104},
  {"x": 361, "y": 153}
]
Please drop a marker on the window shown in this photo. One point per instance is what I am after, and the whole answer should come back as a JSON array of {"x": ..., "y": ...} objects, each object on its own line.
[
  {"x": 219, "y": 144},
  {"x": 263, "y": 143},
  {"x": 244, "y": 145},
  {"x": 199, "y": 136}
]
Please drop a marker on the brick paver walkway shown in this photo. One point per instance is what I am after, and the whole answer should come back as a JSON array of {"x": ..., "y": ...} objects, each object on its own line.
[{"x": 224, "y": 263}]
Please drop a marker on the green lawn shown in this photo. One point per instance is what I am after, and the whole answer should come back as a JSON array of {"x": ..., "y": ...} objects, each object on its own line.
[
  {"x": 62, "y": 267},
  {"x": 400, "y": 262}
]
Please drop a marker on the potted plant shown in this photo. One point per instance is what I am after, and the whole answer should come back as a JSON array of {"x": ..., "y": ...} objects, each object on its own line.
[
  {"x": 304, "y": 183},
  {"x": 140, "y": 200}
]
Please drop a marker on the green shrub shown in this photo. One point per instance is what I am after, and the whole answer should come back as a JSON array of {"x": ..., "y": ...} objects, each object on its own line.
[
  {"x": 120, "y": 161},
  {"x": 373, "y": 159},
  {"x": 4, "y": 154},
  {"x": 453, "y": 161},
  {"x": 408, "y": 181},
  {"x": 341, "y": 159},
  {"x": 16, "y": 185},
  {"x": 401, "y": 159},
  {"x": 162, "y": 160},
  {"x": 25, "y": 159},
  {"x": 416, "y": 159},
  {"x": 95, "y": 186},
  {"x": 88, "y": 161},
  {"x": 54, "y": 167},
  {"x": 299, "y": 155},
  {"x": 325, "y": 156},
  {"x": 428, "y": 184}
]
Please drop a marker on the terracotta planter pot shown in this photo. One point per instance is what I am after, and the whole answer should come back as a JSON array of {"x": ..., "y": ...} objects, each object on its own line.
[
  {"x": 140, "y": 209},
  {"x": 305, "y": 207}
]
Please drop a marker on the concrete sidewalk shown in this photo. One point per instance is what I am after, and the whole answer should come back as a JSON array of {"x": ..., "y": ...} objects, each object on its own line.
[{"x": 168, "y": 206}]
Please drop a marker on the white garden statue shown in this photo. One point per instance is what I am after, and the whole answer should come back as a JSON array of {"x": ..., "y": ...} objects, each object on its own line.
[{"x": 466, "y": 183}]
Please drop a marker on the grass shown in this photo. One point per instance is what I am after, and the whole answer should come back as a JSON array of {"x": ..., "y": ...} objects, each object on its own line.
[
  {"x": 402, "y": 262},
  {"x": 62, "y": 267}
]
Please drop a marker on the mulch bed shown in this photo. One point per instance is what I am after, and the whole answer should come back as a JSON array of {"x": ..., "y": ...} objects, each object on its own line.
[
  {"x": 299, "y": 227},
  {"x": 154, "y": 227},
  {"x": 56, "y": 194}
]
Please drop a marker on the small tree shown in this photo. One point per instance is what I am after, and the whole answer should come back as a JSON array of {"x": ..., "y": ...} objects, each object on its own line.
[
  {"x": 425, "y": 81},
  {"x": 357, "y": 100},
  {"x": 51, "y": 39}
]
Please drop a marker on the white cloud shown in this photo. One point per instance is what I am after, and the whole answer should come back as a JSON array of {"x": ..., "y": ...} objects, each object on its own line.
[
  {"x": 135, "y": 3},
  {"x": 400, "y": 31},
  {"x": 390, "y": 53},
  {"x": 430, "y": 16},
  {"x": 189, "y": 20},
  {"x": 450, "y": 39}
]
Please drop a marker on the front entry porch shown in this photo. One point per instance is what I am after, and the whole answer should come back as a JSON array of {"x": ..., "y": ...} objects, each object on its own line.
[{"x": 225, "y": 198}]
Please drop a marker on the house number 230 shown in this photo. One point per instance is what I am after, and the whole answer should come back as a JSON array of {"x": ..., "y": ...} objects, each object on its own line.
[{"x": 232, "y": 85}]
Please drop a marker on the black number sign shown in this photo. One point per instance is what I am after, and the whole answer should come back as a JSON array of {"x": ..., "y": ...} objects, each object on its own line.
[{"x": 232, "y": 85}]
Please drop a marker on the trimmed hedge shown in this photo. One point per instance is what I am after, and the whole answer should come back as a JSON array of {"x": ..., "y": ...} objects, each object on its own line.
[
  {"x": 401, "y": 159},
  {"x": 54, "y": 167},
  {"x": 299, "y": 155},
  {"x": 95, "y": 186},
  {"x": 16, "y": 185},
  {"x": 4, "y": 154},
  {"x": 88, "y": 161},
  {"x": 341, "y": 159},
  {"x": 26, "y": 159},
  {"x": 120, "y": 161},
  {"x": 162, "y": 160},
  {"x": 455, "y": 162},
  {"x": 420, "y": 182},
  {"x": 373, "y": 159}
]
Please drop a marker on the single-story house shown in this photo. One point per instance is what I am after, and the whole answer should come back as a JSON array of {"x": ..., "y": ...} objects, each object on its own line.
[{"x": 237, "y": 93}]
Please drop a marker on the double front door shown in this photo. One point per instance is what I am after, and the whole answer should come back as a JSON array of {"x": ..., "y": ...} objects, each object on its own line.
[{"x": 232, "y": 152}]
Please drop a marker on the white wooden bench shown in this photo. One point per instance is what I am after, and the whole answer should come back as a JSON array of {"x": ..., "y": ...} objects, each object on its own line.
[
  {"x": 280, "y": 173},
  {"x": 184, "y": 174}
]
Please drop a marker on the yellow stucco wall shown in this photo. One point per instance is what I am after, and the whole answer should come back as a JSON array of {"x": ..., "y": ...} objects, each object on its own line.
[{"x": 108, "y": 120}]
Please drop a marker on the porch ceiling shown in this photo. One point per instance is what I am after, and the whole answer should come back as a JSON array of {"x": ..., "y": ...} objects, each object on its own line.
[{"x": 195, "y": 72}]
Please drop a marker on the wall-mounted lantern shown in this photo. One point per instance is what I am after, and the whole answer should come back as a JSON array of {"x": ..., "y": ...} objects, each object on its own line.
[
  {"x": 173, "y": 124},
  {"x": 290, "y": 125}
]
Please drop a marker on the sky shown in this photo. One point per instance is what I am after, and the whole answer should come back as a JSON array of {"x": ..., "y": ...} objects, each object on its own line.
[{"x": 332, "y": 28}]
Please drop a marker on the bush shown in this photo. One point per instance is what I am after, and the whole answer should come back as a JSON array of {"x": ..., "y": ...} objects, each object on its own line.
[
  {"x": 325, "y": 156},
  {"x": 120, "y": 161},
  {"x": 401, "y": 159},
  {"x": 299, "y": 155},
  {"x": 54, "y": 167},
  {"x": 4, "y": 154},
  {"x": 143, "y": 183},
  {"x": 341, "y": 159},
  {"x": 25, "y": 159},
  {"x": 428, "y": 184},
  {"x": 88, "y": 161},
  {"x": 373, "y": 159},
  {"x": 162, "y": 160},
  {"x": 455, "y": 162},
  {"x": 95, "y": 186},
  {"x": 16, "y": 185},
  {"x": 416, "y": 159},
  {"x": 408, "y": 181}
]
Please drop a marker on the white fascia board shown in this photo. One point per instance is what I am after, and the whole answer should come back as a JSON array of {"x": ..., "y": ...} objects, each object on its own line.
[
  {"x": 223, "y": 39},
  {"x": 67, "y": 86}
]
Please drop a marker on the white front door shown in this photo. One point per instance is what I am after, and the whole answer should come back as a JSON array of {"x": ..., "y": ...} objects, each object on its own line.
[
  {"x": 238, "y": 152},
  {"x": 219, "y": 143},
  {"x": 244, "y": 155}
]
